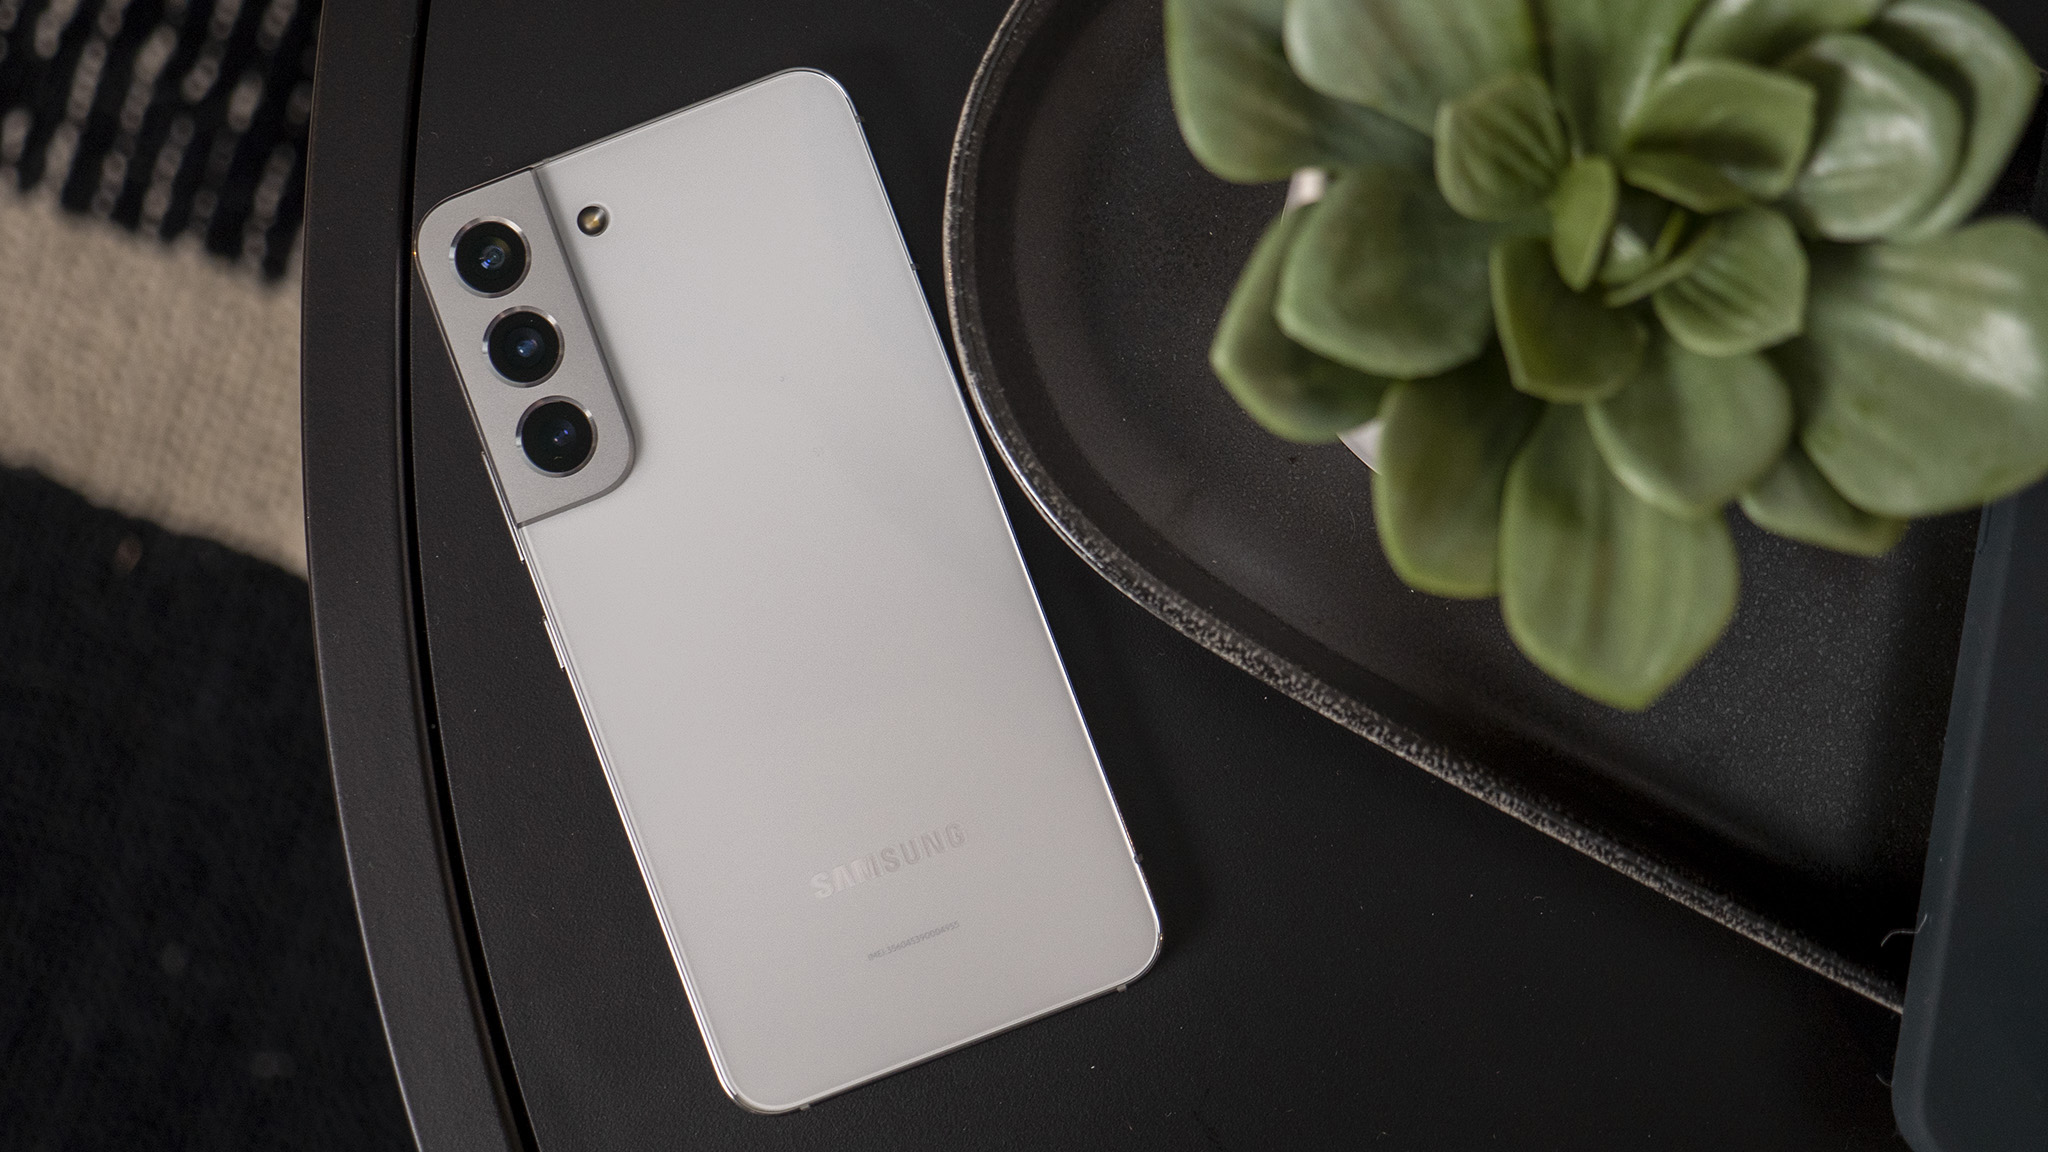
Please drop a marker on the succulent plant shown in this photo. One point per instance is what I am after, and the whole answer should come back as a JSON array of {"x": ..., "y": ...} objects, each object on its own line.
[{"x": 1600, "y": 268}]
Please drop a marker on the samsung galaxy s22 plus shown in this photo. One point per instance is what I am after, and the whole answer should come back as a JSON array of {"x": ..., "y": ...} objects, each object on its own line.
[{"x": 730, "y": 447}]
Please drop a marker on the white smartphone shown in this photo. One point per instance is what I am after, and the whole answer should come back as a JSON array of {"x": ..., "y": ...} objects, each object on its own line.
[{"x": 731, "y": 449}]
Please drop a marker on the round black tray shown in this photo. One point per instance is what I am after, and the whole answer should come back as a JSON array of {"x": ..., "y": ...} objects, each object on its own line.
[{"x": 1783, "y": 788}]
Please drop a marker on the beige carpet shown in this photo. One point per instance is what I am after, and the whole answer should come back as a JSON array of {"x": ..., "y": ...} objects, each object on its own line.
[{"x": 154, "y": 379}]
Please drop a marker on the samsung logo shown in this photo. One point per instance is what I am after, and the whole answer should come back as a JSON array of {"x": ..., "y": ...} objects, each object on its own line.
[{"x": 884, "y": 861}]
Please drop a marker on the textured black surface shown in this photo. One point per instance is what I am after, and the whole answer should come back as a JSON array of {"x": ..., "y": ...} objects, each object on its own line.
[
  {"x": 1784, "y": 787},
  {"x": 359, "y": 551},
  {"x": 1355, "y": 952},
  {"x": 179, "y": 960},
  {"x": 1973, "y": 1050},
  {"x": 164, "y": 115}
]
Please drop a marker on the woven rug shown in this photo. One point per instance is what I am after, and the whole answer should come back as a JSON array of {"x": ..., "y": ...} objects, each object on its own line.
[
  {"x": 167, "y": 116},
  {"x": 179, "y": 960},
  {"x": 152, "y": 378}
]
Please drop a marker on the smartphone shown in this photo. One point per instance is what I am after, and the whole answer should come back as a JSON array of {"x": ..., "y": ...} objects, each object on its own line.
[{"x": 732, "y": 452}]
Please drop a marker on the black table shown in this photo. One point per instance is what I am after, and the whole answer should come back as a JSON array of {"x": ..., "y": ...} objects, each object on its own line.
[{"x": 1356, "y": 954}]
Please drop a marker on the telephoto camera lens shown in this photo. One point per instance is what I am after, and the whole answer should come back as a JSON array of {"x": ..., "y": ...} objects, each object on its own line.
[
  {"x": 524, "y": 346},
  {"x": 490, "y": 257},
  {"x": 556, "y": 435}
]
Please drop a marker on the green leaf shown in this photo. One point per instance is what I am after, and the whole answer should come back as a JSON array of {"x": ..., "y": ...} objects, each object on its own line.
[
  {"x": 1601, "y": 590},
  {"x": 1746, "y": 292},
  {"x": 1888, "y": 143},
  {"x": 1582, "y": 218},
  {"x": 1971, "y": 54},
  {"x": 1388, "y": 278},
  {"x": 1923, "y": 375},
  {"x": 1561, "y": 345},
  {"x": 1604, "y": 55},
  {"x": 1445, "y": 447},
  {"x": 1288, "y": 389},
  {"x": 1675, "y": 228},
  {"x": 1646, "y": 233},
  {"x": 1670, "y": 271},
  {"x": 1795, "y": 501},
  {"x": 1406, "y": 57},
  {"x": 1691, "y": 432},
  {"x": 1766, "y": 31},
  {"x": 1751, "y": 125},
  {"x": 1244, "y": 113},
  {"x": 1500, "y": 147},
  {"x": 1684, "y": 179}
]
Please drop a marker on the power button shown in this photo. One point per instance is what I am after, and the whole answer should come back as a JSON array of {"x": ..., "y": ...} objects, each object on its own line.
[{"x": 554, "y": 642}]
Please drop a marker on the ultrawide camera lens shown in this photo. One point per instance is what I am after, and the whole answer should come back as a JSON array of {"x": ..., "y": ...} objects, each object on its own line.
[
  {"x": 490, "y": 257},
  {"x": 556, "y": 435},
  {"x": 524, "y": 346}
]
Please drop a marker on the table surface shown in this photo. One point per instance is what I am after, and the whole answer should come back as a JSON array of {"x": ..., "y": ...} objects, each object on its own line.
[{"x": 1356, "y": 953}]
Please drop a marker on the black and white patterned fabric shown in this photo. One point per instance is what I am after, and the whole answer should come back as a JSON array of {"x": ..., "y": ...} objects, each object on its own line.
[{"x": 169, "y": 116}]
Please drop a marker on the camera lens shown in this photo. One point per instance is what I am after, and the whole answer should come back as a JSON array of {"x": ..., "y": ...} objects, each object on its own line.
[
  {"x": 556, "y": 435},
  {"x": 490, "y": 257},
  {"x": 524, "y": 346}
]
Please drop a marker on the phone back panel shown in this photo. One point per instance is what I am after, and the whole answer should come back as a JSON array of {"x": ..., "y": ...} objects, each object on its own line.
[{"x": 799, "y": 630}]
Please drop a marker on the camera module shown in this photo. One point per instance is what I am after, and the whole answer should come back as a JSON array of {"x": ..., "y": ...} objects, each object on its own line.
[
  {"x": 556, "y": 435},
  {"x": 524, "y": 346},
  {"x": 490, "y": 256}
]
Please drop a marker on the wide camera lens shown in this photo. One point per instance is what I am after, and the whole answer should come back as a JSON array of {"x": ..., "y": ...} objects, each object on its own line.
[
  {"x": 524, "y": 346},
  {"x": 490, "y": 257},
  {"x": 557, "y": 437}
]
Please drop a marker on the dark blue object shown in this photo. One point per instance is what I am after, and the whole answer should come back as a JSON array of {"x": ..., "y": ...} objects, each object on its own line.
[{"x": 1973, "y": 1054}]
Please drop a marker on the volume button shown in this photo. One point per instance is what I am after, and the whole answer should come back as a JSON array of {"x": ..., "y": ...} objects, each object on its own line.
[{"x": 554, "y": 642}]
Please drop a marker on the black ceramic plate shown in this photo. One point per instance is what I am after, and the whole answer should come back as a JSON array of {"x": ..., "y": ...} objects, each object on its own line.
[{"x": 1784, "y": 788}]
